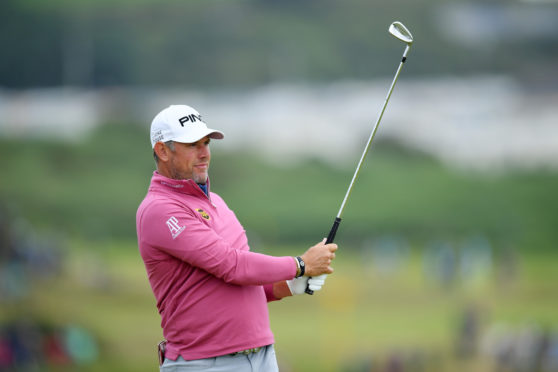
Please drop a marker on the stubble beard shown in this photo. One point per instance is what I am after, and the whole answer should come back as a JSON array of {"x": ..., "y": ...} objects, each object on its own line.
[
  {"x": 200, "y": 178},
  {"x": 197, "y": 177}
]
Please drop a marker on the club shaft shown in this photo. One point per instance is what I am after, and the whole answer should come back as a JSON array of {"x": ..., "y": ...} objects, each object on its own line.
[
  {"x": 363, "y": 156},
  {"x": 337, "y": 221}
]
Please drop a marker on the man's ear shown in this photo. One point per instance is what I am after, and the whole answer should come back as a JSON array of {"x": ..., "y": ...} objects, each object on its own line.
[{"x": 162, "y": 151}]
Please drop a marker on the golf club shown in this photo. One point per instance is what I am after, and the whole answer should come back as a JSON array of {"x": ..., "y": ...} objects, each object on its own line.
[{"x": 399, "y": 31}]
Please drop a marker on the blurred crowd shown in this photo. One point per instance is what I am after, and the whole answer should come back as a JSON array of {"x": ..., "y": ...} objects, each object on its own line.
[
  {"x": 26, "y": 341},
  {"x": 499, "y": 348},
  {"x": 528, "y": 347},
  {"x": 472, "y": 263},
  {"x": 25, "y": 257},
  {"x": 29, "y": 345}
]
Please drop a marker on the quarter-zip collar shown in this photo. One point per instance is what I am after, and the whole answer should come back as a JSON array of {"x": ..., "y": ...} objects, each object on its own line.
[{"x": 189, "y": 186}]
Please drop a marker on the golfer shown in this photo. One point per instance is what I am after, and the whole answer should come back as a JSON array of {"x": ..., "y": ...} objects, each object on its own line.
[{"x": 211, "y": 291}]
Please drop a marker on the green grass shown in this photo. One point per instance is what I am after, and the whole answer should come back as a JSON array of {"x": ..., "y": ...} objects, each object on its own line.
[{"x": 359, "y": 314}]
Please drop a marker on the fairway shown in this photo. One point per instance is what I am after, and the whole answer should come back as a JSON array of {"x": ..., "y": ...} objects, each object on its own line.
[{"x": 360, "y": 318}]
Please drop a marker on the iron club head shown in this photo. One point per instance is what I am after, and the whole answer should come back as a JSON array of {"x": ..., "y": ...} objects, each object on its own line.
[{"x": 401, "y": 32}]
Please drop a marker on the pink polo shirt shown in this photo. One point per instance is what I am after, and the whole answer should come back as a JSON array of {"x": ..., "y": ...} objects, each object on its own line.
[{"x": 211, "y": 291}]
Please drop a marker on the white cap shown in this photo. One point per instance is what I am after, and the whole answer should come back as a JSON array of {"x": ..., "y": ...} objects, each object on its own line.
[{"x": 180, "y": 123}]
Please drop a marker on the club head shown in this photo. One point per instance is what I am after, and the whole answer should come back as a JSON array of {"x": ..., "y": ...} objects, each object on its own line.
[{"x": 401, "y": 32}]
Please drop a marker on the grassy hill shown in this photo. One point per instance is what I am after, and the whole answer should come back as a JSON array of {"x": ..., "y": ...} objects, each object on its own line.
[{"x": 92, "y": 189}]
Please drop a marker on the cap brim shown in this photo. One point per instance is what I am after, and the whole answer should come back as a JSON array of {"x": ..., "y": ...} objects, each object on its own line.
[{"x": 196, "y": 135}]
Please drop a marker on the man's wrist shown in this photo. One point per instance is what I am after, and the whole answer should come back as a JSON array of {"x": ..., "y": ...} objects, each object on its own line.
[{"x": 281, "y": 290}]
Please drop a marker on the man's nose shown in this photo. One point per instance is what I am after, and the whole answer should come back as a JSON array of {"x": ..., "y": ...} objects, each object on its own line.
[{"x": 204, "y": 152}]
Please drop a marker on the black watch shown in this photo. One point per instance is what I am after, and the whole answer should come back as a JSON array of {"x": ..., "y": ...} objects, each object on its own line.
[{"x": 301, "y": 265}]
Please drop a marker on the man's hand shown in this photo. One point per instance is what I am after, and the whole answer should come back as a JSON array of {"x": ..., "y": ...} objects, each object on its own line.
[
  {"x": 298, "y": 285},
  {"x": 316, "y": 283},
  {"x": 317, "y": 259}
]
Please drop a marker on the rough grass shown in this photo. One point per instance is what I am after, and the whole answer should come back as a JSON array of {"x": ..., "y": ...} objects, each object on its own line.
[{"x": 360, "y": 315}]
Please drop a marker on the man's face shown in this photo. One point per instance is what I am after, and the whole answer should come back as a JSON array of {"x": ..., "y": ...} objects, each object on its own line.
[{"x": 190, "y": 161}]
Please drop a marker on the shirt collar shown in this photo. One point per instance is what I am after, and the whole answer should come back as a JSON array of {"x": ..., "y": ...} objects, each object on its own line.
[{"x": 187, "y": 186}]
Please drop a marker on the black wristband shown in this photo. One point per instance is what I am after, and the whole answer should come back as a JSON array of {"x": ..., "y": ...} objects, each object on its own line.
[{"x": 301, "y": 265}]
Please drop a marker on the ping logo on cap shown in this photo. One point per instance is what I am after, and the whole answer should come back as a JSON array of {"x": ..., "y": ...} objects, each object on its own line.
[{"x": 189, "y": 118}]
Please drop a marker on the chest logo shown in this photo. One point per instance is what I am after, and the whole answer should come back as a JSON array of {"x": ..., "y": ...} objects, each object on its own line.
[
  {"x": 174, "y": 227},
  {"x": 203, "y": 214}
]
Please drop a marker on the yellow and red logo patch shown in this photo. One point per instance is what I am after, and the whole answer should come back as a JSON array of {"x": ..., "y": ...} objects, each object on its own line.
[{"x": 203, "y": 213}]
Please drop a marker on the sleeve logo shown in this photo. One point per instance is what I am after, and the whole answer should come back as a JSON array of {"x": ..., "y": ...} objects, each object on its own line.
[{"x": 174, "y": 227}]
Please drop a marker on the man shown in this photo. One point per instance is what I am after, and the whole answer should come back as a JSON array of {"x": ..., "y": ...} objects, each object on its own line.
[{"x": 211, "y": 291}]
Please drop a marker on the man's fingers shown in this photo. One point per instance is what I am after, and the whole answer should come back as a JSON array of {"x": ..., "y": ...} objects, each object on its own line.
[
  {"x": 316, "y": 283},
  {"x": 332, "y": 247},
  {"x": 318, "y": 280},
  {"x": 318, "y": 258},
  {"x": 314, "y": 287}
]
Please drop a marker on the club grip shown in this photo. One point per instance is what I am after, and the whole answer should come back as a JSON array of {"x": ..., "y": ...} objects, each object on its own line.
[
  {"x": 330, "y": 239},
  {"x": 333, "y": 231}
]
